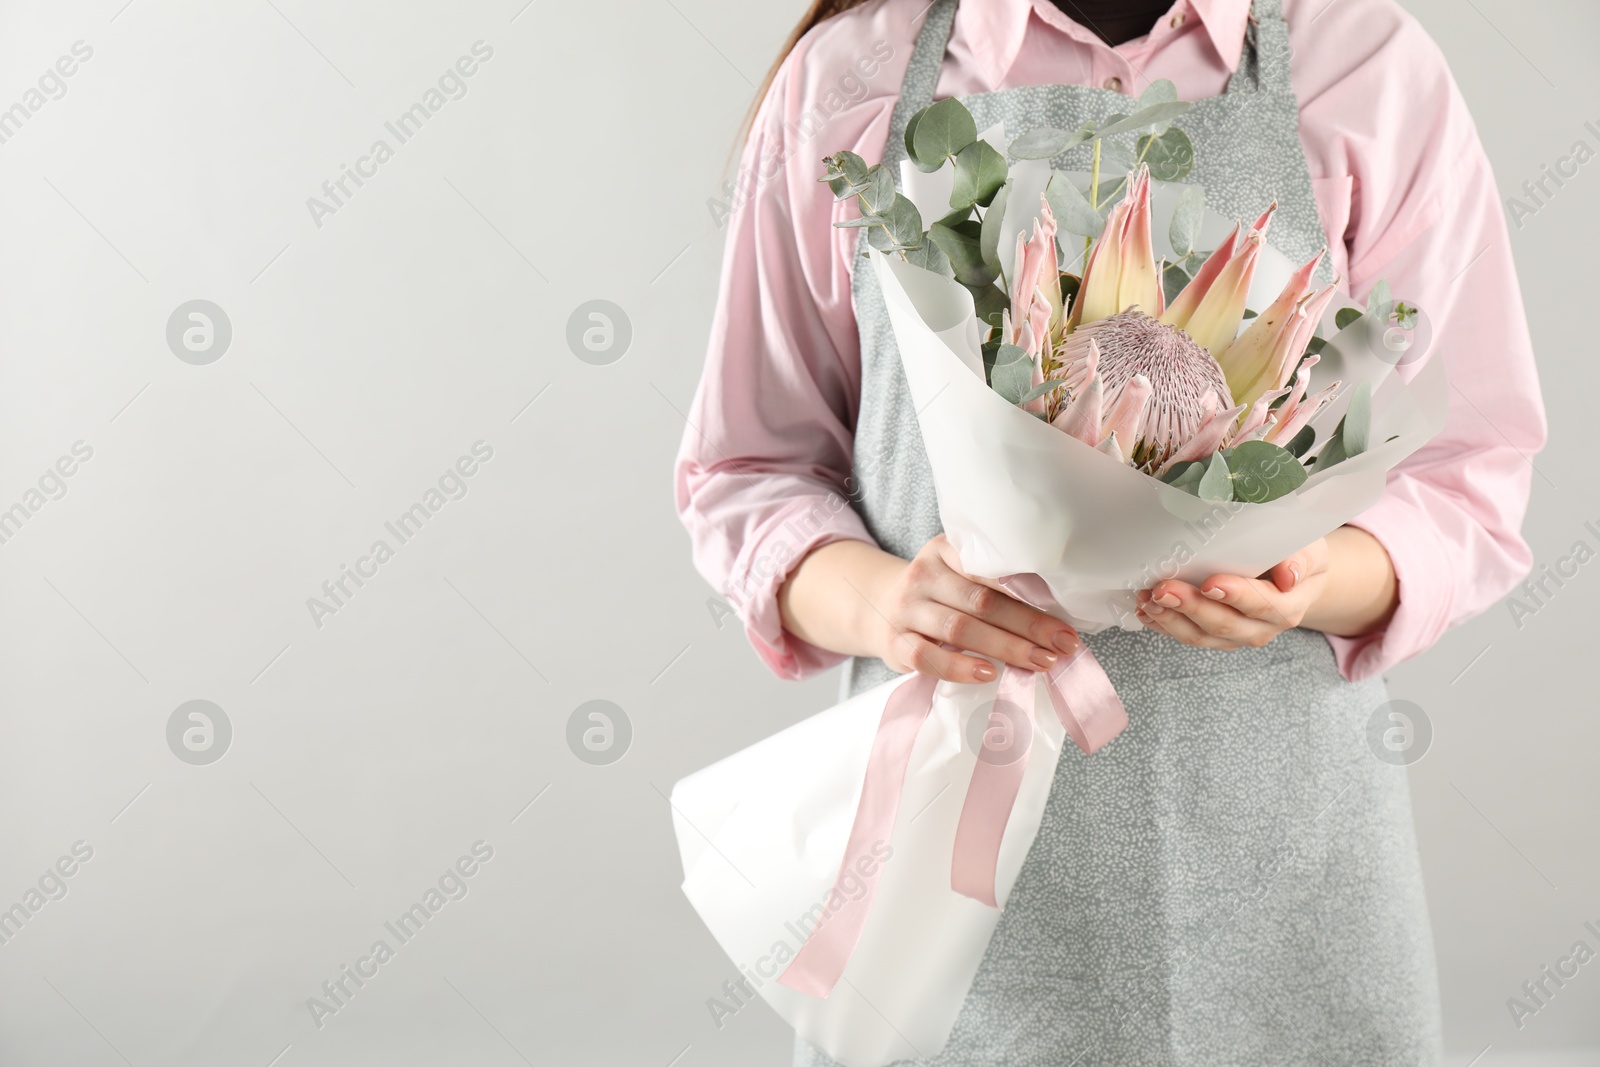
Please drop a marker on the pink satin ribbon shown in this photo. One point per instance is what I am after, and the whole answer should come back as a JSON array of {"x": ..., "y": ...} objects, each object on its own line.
[{"x": 1089, "y": 710}]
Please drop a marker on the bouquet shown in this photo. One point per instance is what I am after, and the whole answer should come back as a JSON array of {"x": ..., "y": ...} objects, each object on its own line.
[{"x": 1105, "y": 419}]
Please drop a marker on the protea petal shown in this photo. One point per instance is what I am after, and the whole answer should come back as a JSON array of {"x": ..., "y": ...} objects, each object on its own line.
[
  {"x": 1079, "y": 369},
  {"x": 1122, "y": 266},
  {"x": 1111, "y": 447},
  {"x": 1265, "y": 220},
  {"x": 1081, "y": 415},
  {"x": 1184, "y": 304},
  {"x": 1126, "y": 417},
  {"x": 1291, "y": 424},
  {"x": 1215, "y": 321},
  {"x": 1212, "y": 435},
  {"x": 1297, "y": 389},
  {"x": 1314, "y": 310},
  {"x": 1288, "y": 347},
  {"x": 1256, "y": 417},
  {"x": 1138, "y": 283},
  {"x": 1259, "y": 353}
]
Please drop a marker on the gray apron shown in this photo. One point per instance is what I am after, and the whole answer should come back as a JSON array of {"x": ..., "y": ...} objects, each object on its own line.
[{"x": 1233, "y": 880}]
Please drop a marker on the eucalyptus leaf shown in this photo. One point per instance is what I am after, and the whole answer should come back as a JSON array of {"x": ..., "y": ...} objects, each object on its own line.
[
  {"x": 980, "y": 172},
  {"x": 1109, "y": 192},
  {"x": 903, "y": 222},
  {"x": 1345, "y": 316},
  {"x": 877, "y": 196},
  {"x": 1012, "y": 375},
  {"x": 1160, "y": 91},
  {"x": 1315, "y": 345},
  {"x": 1216, "y": 483},
  {"x": 1146, "y": 117},
  {"x": 944, "y": 129},
  {"x": 1356, "y": 426},
  {"x": 1262, "y": 471},
  {"x": 911, "y": 132},
  {"x": 989, "y": 301},
  {"x": 1187, "y": 215},
  {"x": 1181, "y": 471},
  {"x": 1173, "y": 280},
  {"x": 1302, "y": 441},
  {"x": 1350, "y": 436},
  {"x": 960, "y": 244},
  {"x": 1049, "y": 385},
  {"x": 929, "y": 256},
  {"x": 1070, "y": 283},
  {"x": 1378, "y": 300},
  {"x": 1170, "y": 155},
  {"x": 1116, "y": 156},
  {"x": 846, "y": 174},
  {"x": 1047, "y": 142},
  {"x": 1073, "y": 213},
  {"x": 989, "y": 231}
]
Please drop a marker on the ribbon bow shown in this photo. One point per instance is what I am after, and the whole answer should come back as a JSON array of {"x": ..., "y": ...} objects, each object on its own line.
[{"x": 1091, "y": 713}]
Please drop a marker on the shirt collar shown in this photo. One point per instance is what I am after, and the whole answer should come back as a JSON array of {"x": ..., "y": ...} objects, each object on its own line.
[{"x": 993, "y": 29}]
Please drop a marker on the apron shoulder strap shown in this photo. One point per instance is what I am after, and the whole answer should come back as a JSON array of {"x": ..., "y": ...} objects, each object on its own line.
[
  {"x": 922, "y": 77},
  {"x": 1264, "y": 61}
]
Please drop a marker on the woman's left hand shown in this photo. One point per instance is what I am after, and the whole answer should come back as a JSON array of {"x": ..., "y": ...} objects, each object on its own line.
[{"x": 1227, "y": 611}]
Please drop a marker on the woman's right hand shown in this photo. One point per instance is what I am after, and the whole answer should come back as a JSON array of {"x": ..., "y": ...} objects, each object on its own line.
[
  {"x": 932, "y": 603},
  {"x": 853, "y": 597}
]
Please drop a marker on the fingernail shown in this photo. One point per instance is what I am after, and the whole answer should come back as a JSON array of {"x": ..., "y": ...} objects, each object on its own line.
[
  {"x": 1152, "y": 608},
  {"x": 1068, "y": 642},
  {"x": 1167, "y": 600},
  {"x": 1294, "y": 569},
  {"x": 1214, "y": 594},
  {"x": 983, "y": 672},
  {"x": 1043, "y": 657}
]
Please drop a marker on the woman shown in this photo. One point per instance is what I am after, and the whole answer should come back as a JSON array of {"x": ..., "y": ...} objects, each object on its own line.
[{"x": 1235, "y": 879}]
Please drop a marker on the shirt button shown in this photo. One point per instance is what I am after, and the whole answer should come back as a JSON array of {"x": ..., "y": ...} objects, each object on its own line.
[
  {"x": 1114, "y": 83},
  {"x": 1177, "y": 20}
]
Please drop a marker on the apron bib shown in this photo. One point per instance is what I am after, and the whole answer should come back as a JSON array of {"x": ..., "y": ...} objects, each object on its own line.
[{"x": 1235, "y": 879}]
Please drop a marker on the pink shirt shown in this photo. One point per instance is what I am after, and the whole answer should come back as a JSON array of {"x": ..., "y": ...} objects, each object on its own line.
[{"x": 1403, "y": 187}]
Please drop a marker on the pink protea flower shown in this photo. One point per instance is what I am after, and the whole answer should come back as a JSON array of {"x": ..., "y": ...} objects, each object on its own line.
[
  {"x": 1177, "y": 374},
  {"x": 1155, "y": 385},
  {"x": 1035, "y": 298}
]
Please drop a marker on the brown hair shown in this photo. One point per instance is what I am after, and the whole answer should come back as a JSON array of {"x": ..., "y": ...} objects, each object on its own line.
[{"x": 819, "y": 11}]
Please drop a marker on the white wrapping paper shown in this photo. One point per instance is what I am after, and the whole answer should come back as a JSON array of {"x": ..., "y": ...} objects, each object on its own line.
[{"x": 761, "y": 835}]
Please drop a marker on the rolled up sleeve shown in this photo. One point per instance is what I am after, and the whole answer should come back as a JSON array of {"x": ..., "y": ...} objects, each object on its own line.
[
  {"x": 762, "y": 476},
  {"x": 1427, "y": 218}
]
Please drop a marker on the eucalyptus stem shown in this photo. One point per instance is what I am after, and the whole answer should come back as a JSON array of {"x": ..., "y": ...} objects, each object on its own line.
[{"x": 1094, "y": 190}]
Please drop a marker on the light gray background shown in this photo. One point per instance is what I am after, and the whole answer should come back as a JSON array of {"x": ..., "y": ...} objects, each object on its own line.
[{"x": 367, "y": 355}]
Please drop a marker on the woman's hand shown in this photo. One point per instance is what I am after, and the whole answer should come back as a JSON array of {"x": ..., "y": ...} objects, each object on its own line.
[
  {"x": 932, "y": 601},
  {"x": 1342, "y": 584},
  {"x": 855, "y": 598}
]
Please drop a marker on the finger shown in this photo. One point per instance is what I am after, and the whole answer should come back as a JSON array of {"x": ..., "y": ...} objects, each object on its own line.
[
  {"x": 952, "y": 626},
  {"x": 1249, "y": 596},
  {"x": 1313, "y": 559},
  {"x": 986, "y": 601},
  {"x": 1180, "y": 627},
  {"x": 913, "y": 652},
  {"x": 1216, "y": 619}
]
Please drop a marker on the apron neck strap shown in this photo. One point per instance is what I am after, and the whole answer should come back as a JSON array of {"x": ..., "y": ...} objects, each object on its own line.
[{"x": 1263, "y": 64}]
